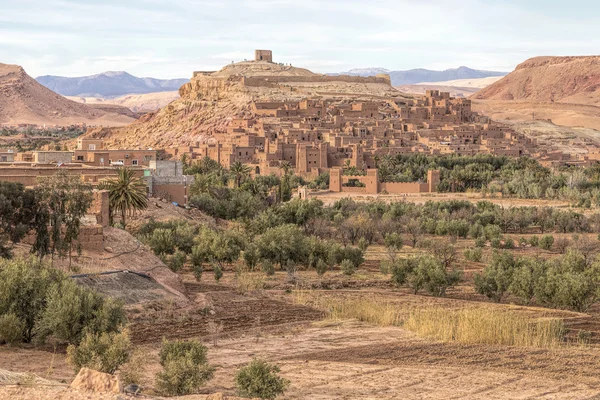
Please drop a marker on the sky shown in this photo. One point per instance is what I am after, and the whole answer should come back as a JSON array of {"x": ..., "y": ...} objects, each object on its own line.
[{"x": 173, "y": 38}]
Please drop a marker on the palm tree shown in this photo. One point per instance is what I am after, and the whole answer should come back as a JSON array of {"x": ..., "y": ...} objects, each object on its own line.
[
  {"x": 240, "y": 172},
  {"x": 127, "y": 193},
  {"x": 286, "y": 167}
]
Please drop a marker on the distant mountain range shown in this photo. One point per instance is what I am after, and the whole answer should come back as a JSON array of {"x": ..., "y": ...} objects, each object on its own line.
[
  {"x": 420, "y": 75},
  {"x": 108, "y": 84}
]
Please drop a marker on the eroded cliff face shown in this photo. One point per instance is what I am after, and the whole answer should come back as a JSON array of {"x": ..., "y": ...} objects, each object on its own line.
[{"x": 550, "y": 79}]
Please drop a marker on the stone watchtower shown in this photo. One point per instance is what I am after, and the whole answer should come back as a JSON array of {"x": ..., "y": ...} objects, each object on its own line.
[{"x": 263, "y": 55}]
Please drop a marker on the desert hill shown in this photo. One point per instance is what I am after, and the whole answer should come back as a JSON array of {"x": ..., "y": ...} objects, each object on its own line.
[
  {"x": 550, "y": 79},
  {"x": 456, "y": 88},
  {"x": 420, "y": 75},
  {"x": 561, "y": 90},
  {"x": 138, "y": 103},
  {"x": 23, "y": 100},
  {"x": 108, "y": 84},
  {"x": 209, "y": 102}
]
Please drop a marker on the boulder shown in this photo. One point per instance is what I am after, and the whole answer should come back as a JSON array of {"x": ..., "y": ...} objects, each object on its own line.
[{"x": 88, "y": 380}]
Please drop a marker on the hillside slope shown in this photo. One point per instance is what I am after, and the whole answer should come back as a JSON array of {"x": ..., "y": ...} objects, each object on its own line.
[
  {"x": 23, "y": 100},
  {"x": 108, "y": 84},
  {"x": 420, "y": 75},
  {"x": 210, "y": 101},
  {"x": 139, "y": 103},
  {"x": 550, "y": 79}
]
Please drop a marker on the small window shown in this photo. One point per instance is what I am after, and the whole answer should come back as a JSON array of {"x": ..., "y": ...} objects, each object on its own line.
[
  {"x": 134, "y": 162},
  {"x": 79, "y": 158},
  {"x": 92, "y": 147},
  {"x": 121, "y": 161}
]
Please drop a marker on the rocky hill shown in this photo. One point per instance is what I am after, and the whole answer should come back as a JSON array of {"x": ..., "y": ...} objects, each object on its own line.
[
  {"x": 574, "y": 80},
  {"x": 23, "y": 100},
  {"x": 138, "y": 103},
  {"x": 209, "y": 102},
  {"x": 108, "y": 84},
  {"x": 420, "y": 75}
]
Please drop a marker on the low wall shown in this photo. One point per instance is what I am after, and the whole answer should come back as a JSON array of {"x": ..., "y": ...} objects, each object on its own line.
[
  {"x": 403, "y": 187},
  {"x": 178, "y": 193},
  {"x": 352, "y": 189},
  {"x": 91, "y": 238}
]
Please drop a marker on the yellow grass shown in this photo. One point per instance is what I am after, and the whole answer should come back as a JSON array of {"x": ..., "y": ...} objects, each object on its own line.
[
  {"x": 469, "y": 325},
  {"x": 249, "y": 281},
  {"x": 485, "y": 326}
]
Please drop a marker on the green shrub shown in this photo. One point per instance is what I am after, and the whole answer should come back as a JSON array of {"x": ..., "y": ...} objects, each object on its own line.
[
  {"x": 218, "y": 272},
  {"x": 347, "y": 267},
  {"x": 267, "y": 267},
  {"x": 72, "y": 310},
  {"x": 161, "y": 241},
  {"x": 177, "y": 261},
  {"x": 546, "y": 242},
  {"x": 474, "y": 254},
  {"x": 321, "y": 267},
  {"x": 496, "y": 243},
  {"x": 185, "y": 368},
  {"x": 424, "y": 272},
  {"x": 260, "y": 379},
  {"x": 480, "y": 241},
  {"x": 509, "y": 243},
  {"x": 11, "y": 328},
  {"x": 534, "y": 241},
  {"x": 104, "y": 352},
  {"x": 496, "y": 278}
]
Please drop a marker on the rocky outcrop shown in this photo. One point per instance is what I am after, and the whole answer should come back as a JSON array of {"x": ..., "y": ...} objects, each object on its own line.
[
  {"x": 573, "y": 80},
  {"x": 88, "y": 380}
]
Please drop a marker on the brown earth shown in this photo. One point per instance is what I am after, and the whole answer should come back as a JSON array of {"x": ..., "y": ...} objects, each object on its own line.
[
  {"x": 23, "y": 100},
  {"x": 572, "y": 80},
  {"x": 138, "y": 103}
]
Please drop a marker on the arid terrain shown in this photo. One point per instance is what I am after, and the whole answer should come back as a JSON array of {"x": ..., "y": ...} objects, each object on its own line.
[
  {"x": 24, "y": 101},
  {"x": 456, "y": 88},
  {"x": 325, "y": 355},
  {"x": 139, "y": 103}
]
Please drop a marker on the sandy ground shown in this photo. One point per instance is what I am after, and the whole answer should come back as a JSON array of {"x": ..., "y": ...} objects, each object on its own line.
[{"x": 350, "y": 360}]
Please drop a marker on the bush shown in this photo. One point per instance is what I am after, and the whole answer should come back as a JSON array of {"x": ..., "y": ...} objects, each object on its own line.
[
  {"x": 509, "y": 243},
  {"x": 161, "y": 241},
  {"x": 474, "y": 254},
  {"x": 546, "y": 242},
  {"x": 185, "y": 368},
  {"x": 260, "y": 379},
  {"x": 11, "y": 328},
  {"x": 177, "y": 261},
  {"x": 424, "y": 272},
  {"x": 534, "y": 241},
  {"x": 218, "y": 272},
  {"x": 321, "y": 267},
  {"x": 496, "y": 243},
  {"x": 496, "y": 277},
  {"x": 480, "y": 242},
  {"x": 347, "y": 267},
  {"x": 561, "y": 245},
  {"x": 104, "y": 352},
  {"x": 196, "y": 259},
  {"x": 267, "y": 267},
  {"x": 71, "y": 311}
]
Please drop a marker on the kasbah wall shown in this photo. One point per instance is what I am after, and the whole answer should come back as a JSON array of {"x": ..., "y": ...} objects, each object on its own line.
[{"x": 373, "y": 186}]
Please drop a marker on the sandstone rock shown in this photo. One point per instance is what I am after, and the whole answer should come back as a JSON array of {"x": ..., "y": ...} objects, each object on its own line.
[{"x": 88, "y": 380}]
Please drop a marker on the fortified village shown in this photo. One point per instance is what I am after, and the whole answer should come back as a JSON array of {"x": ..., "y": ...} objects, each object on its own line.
[{"x": 278, "y": 114}]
